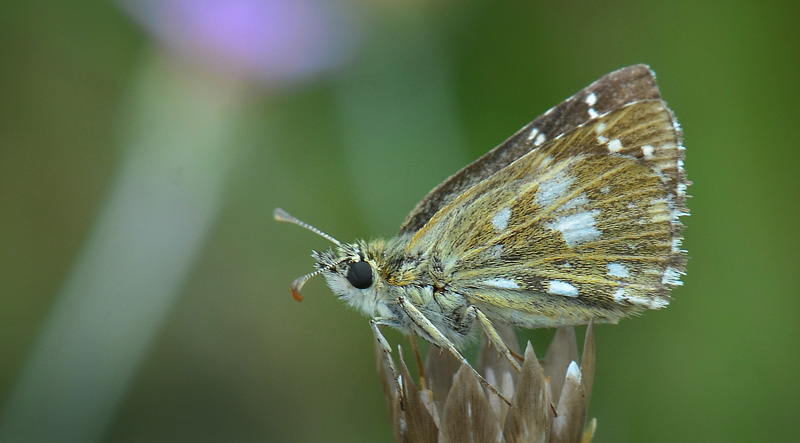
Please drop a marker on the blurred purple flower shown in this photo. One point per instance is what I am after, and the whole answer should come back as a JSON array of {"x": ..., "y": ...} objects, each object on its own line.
[{"x": 273, "y": 41}]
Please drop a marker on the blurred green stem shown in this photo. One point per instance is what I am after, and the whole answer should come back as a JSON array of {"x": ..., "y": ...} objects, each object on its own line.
[{"x": 177, "y": 132}]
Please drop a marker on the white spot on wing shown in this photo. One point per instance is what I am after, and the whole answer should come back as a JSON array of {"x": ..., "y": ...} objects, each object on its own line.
[
  {"x": 500, "y": 220},
  {"x": 502, "y": 283},
  {"x": 591, "y": 99},
  {"x": 539, "y": 139},
  {"x": 658, "y": 303},
  {"x": 562, "y": 288},
  {"x": 545, "y": 163},
  {"x": 647, "y": 151},
  {"x": 615, "y": 145},
  {"x": 494, "y": 251},
  {"x": 533, "y": 134},
  {"x": 552, "y": 190},
  {"x": 577, "y": 228},
  {"x": 671, "y": 277},
  {"x": 650, "y": 303},
  {"x": 618, "y": 270},
  {"x": 592, "y": 113},
  {"x": 647, "y": 302}
]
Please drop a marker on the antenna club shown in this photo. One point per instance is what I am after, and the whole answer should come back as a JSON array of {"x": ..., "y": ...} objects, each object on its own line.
[
  {"x": 281, "y": 215},
  {"x": 296, "y": 295}
]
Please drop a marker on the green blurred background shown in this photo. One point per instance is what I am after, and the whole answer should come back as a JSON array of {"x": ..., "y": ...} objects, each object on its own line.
[{"x": 144, "y": 286}]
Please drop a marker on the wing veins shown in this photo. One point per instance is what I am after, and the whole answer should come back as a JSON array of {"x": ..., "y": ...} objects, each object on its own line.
[{"x": 552, "y": 208}]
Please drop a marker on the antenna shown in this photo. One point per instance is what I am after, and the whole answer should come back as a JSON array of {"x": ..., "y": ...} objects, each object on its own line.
[
  {"x": 299, "y": 282},
  {"x": 281, "y": 215}
]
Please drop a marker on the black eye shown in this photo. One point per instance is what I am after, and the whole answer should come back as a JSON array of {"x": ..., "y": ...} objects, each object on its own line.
[{"x": 359, "y": 274}]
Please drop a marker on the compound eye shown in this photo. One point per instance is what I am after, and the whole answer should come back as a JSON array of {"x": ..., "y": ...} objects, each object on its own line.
[{"x": 359, "y": 274}]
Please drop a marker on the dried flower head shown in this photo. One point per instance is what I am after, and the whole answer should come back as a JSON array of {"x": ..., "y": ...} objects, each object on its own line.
[{"x": 550, "y": 398}]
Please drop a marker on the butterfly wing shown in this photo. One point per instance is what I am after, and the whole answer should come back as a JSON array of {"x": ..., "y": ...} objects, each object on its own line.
[
  {"x": 614, "y": 90},
  {"x": 586, "y": 225}
]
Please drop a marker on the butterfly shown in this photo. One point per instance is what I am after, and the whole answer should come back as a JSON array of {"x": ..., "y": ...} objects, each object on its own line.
[{"x": 573, "y": 218}]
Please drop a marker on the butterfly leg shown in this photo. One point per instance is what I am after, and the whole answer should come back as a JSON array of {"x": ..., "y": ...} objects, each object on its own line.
[
  {"x": 491, "y": 333},
  {"x": 384, "y": 345},
  {"x": 437, "y": 338},
  {"x": 378, "y": 321}
]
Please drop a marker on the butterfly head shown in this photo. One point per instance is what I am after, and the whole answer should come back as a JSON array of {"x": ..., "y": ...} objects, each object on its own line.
[
  {"x": 350, "y": 270},
  {"x": 353, "y": 272}
]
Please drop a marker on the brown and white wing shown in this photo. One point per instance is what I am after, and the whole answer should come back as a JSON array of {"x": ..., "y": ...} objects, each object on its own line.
[
  {"x": 587, "y": 224},
  {"x": 612, "y": 91}
]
